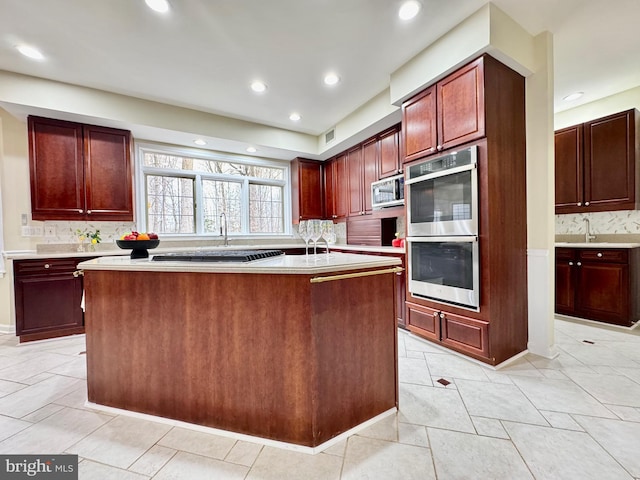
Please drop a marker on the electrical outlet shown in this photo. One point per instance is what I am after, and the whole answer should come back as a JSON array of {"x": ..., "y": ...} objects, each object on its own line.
[
  {"x": 30, "y": 231},
  {"x": 49, "y": 230}
]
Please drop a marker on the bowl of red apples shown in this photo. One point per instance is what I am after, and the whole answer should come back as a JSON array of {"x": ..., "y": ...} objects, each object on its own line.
[{"x": 139, "y": 243}]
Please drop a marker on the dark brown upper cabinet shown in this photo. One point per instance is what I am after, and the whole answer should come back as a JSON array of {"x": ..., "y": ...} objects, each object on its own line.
[
  {"x": 448, "y": 113},
  {"x": 306, "y": 190},
  {"x": 595, "y": 165},
  {"x": 79, "y": 172}
]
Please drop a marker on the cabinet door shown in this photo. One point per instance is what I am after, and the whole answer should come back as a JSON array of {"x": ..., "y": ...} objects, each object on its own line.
[
  {"x": 569, "y": 174},
  {"x": 609, "y": 162},
  {"x": 341, "y": 185},
  {"x": 329, "y": 189},
  {"x": 461, "y": 106},
  {"x": 465, "y": 334},
  {"x": 355, "y": 182},
  {"x": 419, "y": 125},
  {"x": 306, "y": 190},
  {"x": 47, "y": 298},
  {"x": 56, "y": 169},
  {"x": 426, "y": 320},
  {"x": 565, "y": 282},
  {"x": 602, "y": 291},
  {"x": 370, "y": 171},
  {"x": 107, "y": 154},
  {"x": 389, "y": 153}
]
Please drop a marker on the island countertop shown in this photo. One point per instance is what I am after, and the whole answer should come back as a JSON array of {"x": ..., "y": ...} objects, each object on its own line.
[{"x": 283, "y": 264}]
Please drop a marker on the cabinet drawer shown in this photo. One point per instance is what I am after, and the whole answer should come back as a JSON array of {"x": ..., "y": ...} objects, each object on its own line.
[
  {"x": 466, "y": 334},
  {"x": 565, "y": 253},
  {"x": 615, "y": 256},
  {"x": 424, "y": 318},
  {"x": 44, "y": 266}
]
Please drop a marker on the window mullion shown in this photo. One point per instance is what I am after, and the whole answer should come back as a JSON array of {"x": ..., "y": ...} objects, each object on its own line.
[
  {"x": 245, "y": 207},
  {"x": 198, "y": 208}
]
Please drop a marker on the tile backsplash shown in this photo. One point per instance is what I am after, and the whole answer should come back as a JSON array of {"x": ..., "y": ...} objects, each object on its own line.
[
  {"x": 65, "y": 232},
  {"x": 601, "y": 223}
]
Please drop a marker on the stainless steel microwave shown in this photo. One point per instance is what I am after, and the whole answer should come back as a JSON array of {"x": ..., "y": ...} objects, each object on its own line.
[{"x": 388, "y": 192}]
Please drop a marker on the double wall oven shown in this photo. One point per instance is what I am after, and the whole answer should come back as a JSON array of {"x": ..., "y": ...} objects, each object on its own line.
[{"x": 442, "y": 228}]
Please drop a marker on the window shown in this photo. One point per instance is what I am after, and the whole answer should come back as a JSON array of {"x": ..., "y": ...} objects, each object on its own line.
[{"x": 185, "y": 191}]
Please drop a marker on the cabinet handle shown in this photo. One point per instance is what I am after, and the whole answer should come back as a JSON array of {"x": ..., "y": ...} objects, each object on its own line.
[
  {"x": 439, "y": 147},
  {"x": 89, "y": 212},
  {"x": 442, "y": 315},
  {"x": 80, "y": 210},
  {"x": 46, "y": 265},
  {"x": 435, "y": 314},
  {"x": 78, "y": 273},
  {"x": 432, "y": 149},
  {"x": 571, "y": 264},
  {"x": 579, "y": 264},
  {"x": 579, "y": 204},
  {"x": 599, "y": 254},
  {"x": 586, "y": 204}
]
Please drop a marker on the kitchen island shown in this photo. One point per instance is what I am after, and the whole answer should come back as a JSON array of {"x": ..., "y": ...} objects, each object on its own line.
[{"x": 292, "y": 349}]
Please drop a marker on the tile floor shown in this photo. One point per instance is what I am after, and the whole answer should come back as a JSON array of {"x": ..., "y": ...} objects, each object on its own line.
[{"x": 574, "y": 417}]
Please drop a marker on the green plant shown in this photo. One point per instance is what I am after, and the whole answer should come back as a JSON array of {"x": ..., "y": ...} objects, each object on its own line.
[{"x": 93, "y": 236}]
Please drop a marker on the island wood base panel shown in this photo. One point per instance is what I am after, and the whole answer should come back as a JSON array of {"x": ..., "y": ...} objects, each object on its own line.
[{"x": 268, "y": 355}]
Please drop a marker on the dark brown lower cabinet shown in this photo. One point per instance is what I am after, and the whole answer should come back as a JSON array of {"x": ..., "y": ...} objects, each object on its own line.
[
  {"x": 598, "y": 284},
  {"x": 47, "y": 298},
  {"x": 468, "y": 335}
]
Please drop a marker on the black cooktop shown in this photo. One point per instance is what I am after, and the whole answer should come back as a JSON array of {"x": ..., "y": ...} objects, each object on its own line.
[{"x": 218, "y": 256}]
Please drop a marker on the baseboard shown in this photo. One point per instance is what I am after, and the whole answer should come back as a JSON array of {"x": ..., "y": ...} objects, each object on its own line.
[{"x": 8, "y": 329}]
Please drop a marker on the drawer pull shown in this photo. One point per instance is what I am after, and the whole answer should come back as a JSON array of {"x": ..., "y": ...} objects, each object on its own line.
[
  {"x": 579, "y": 204},
  {"x": 89, "y": 212},
  {"x": 599, "y": 254},
  {"x": 571, "y": 264},
  {"x": 586, "y": 204},
  {"x": 46, "y": 265},
  {"x": 78, "y": 273},
  {"x": 80, "y": 210},
  {"x": 579, "y": 264}
]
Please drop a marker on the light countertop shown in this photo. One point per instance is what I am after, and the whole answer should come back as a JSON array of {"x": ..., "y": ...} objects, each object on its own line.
[
  {"x": 106, "y": 250},
  {"x": 597, "y": 245},
  {"x": 283, "y": 264}
]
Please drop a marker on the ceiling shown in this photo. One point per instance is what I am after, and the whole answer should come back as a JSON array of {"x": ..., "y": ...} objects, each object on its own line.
[{"x": 204, "y": 54}]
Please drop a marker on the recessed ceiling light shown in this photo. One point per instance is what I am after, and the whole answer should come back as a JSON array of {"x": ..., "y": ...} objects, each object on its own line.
[
  {"x": 161, "y": 6},
  {"x": 573, "y": 96},
  {"x": 294, "y": 117},
  {"x": 331, "y": 79},
  {"x": 200, "y": 142},
  {"x": 258, "y": 87},
  {"x": 30, "y": 52},
  {"x": 251, "y": 149},
  {"x": 409, "y": 9}
]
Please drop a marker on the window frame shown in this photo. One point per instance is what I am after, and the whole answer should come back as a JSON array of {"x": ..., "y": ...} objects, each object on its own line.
[{"x": 141, "y": 172}]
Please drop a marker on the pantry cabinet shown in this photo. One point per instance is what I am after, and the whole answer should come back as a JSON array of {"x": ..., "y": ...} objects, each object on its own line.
[
  {"x": 598, "y": 284},
  {"x": 595, "y": 165},
  {"x": 447, "y": 114},
  {"x": 306, "y": 190},
  {"x": 79, "y": 172},
  {"x": 48, "y": 293}
]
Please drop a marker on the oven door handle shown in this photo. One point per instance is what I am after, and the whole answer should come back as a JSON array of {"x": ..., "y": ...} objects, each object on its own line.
[
  {"x": 456, "y": 239},
  {"x": 441, "y": 173}
]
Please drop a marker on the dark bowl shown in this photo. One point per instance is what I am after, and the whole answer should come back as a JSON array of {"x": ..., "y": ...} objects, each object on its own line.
[{"x": 138, "y": 247}]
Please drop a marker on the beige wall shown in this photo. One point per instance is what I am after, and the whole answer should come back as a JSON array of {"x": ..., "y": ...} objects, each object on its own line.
[
  {"x": 14, "y": 188},
  {"x": 600, "y": 108}
]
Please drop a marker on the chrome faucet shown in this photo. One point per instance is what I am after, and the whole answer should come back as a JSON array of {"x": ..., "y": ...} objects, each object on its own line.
[
  {"x": 223, "y": 216},
  {"x": 587, "y": 235}
]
